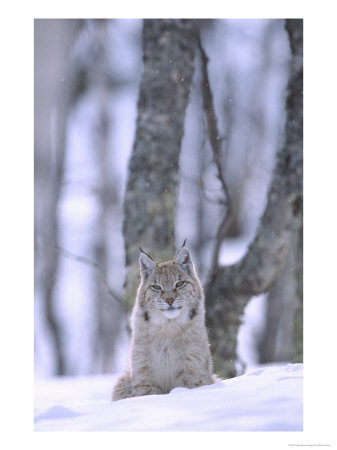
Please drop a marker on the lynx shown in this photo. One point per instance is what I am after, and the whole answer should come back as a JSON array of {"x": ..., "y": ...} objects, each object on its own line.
[{"x": 169, "y": 345}]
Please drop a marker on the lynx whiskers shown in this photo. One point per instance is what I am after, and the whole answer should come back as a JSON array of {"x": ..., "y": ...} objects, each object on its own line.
[{"x": 169, "y": 345}]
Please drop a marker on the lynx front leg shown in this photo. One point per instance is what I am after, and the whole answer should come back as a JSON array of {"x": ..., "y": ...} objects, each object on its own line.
[
  {"x": 193, "y": 375},
  {"x": 143, "y": 383},
  {"x": 142, "y": 376}
]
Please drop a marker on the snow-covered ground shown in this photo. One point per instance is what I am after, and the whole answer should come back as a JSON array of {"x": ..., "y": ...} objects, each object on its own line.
[{"x": 264, "y": 399}]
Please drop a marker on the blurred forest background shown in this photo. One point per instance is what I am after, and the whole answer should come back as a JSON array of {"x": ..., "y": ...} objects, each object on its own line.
[{"x": 212, "y": 96}]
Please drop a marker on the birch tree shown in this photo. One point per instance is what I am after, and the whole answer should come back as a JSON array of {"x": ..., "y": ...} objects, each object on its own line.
[{"x": 169, "y": 48}]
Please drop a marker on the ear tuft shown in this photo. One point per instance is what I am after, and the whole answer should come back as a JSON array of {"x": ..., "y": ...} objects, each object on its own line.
[
  {"x": 184, "y": 260},
  {"x": 184, "y": 243},
  {"x": 146, "y": 265}
]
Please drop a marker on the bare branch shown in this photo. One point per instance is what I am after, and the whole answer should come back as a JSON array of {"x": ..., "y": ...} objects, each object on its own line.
[
  {"x": 88, "y": 262},
  {"x": 216, "y": 145}
]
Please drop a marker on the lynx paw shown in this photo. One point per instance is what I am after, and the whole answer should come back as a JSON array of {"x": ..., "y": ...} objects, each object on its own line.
[{"x": 145, "y": 389}]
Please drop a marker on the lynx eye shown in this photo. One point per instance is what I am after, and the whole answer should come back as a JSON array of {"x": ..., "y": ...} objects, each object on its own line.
[
  {"x": 180, "y": 284},
  {"x": 155, "y": 287}
]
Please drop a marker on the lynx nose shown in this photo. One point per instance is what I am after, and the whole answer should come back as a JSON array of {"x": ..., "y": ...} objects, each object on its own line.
[{"x": 169, "y": 301}]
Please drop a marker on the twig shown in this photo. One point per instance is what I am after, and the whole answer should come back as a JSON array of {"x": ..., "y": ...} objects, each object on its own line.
[
  {"x": 84, "y": 260},
  {"x": 199, "y": 181},
  {"x": 206, "y": 191}
]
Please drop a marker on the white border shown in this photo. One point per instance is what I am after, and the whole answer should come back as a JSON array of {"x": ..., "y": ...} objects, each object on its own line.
[{"x": 17, "y": 223}]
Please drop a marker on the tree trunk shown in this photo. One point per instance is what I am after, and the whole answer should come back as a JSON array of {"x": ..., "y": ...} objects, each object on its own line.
[
  {"x": 277, "y": 343},
  {"x": 168, "y": 55},
  {"x": 52, "y": 88},
  {"x": 230, "y": 288}
]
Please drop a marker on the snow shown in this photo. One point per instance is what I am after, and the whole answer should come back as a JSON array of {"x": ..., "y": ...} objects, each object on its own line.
[{"x": 264, "y": 399}]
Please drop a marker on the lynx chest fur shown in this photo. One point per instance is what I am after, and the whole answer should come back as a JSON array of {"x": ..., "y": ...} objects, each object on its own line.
[{"x": 169, "y": 346}]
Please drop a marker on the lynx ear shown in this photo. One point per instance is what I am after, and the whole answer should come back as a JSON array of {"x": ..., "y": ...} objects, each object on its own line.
[
  {"x": 184, "y": 260},
  {"x": 146, "y": 264}
]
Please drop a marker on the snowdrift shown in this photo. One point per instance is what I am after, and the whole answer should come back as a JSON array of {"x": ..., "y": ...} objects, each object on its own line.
[{"x": 265, "y": 399}]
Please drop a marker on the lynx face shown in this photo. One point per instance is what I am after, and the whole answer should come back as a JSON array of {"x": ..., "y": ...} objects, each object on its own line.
[{"x": 170, "y": 289}]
